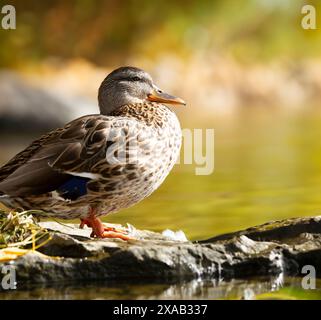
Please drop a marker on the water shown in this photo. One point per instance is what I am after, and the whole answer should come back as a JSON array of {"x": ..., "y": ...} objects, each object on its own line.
[
  {"x": 247, "y": 289},
  {"x": 267, "y": 167}
]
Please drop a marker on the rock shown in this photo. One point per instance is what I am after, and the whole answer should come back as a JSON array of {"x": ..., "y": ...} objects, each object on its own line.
[
  {"x": 27, "y": 108},
  {"x": 275, "y": 248}
]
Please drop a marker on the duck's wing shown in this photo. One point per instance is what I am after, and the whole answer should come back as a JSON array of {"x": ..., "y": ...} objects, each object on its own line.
[
  {"x": 56, "y": 158},
  {"x": 22, "y": 157}
]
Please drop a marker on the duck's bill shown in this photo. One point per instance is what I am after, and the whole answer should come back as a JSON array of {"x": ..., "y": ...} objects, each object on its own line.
[{"x": 163, "y": 97}]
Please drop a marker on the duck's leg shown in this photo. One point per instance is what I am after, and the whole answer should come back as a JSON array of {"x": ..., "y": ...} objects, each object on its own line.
[{"x": 101, "y": 231}]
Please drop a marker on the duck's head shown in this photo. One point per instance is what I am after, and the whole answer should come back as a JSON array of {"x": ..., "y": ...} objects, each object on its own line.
[{"x": 130, "y": 85}]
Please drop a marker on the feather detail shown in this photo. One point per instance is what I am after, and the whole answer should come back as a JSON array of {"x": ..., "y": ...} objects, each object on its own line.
[
  {"x": 73, "y": 188},
  {"x": 69, "y": 169}
]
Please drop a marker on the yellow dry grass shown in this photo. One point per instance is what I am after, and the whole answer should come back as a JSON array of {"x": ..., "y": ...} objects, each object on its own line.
[{"x": 20, "y": 234}]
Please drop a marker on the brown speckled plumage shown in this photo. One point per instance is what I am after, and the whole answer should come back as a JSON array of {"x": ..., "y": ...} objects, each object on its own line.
[{"x": 145, "y": 136}]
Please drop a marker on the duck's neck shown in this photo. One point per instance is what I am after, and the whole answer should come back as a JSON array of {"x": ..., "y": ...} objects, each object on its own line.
[{"x": 153, "y": 114}]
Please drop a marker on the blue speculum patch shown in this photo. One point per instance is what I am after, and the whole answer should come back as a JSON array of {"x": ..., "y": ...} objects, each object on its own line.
[{"x": 73, "y": 188}]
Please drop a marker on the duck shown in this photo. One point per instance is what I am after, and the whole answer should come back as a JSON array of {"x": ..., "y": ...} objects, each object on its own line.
[{"x": 99, "y": 163}]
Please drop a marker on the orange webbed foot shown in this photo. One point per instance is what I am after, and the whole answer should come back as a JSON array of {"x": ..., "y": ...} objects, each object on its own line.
[
  {"x": 99, "y": 230},
  {"x": 115, "y": 235}
]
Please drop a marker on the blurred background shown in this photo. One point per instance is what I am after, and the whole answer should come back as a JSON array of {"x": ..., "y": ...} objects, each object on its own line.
[{"x": 246, "y": 68}]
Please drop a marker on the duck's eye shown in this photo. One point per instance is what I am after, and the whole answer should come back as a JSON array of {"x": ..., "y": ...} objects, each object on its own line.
[{"x": 135, "y": 78}]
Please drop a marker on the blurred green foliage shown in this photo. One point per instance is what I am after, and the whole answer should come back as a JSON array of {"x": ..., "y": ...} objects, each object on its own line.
[{"x": 107, "y": 32}]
